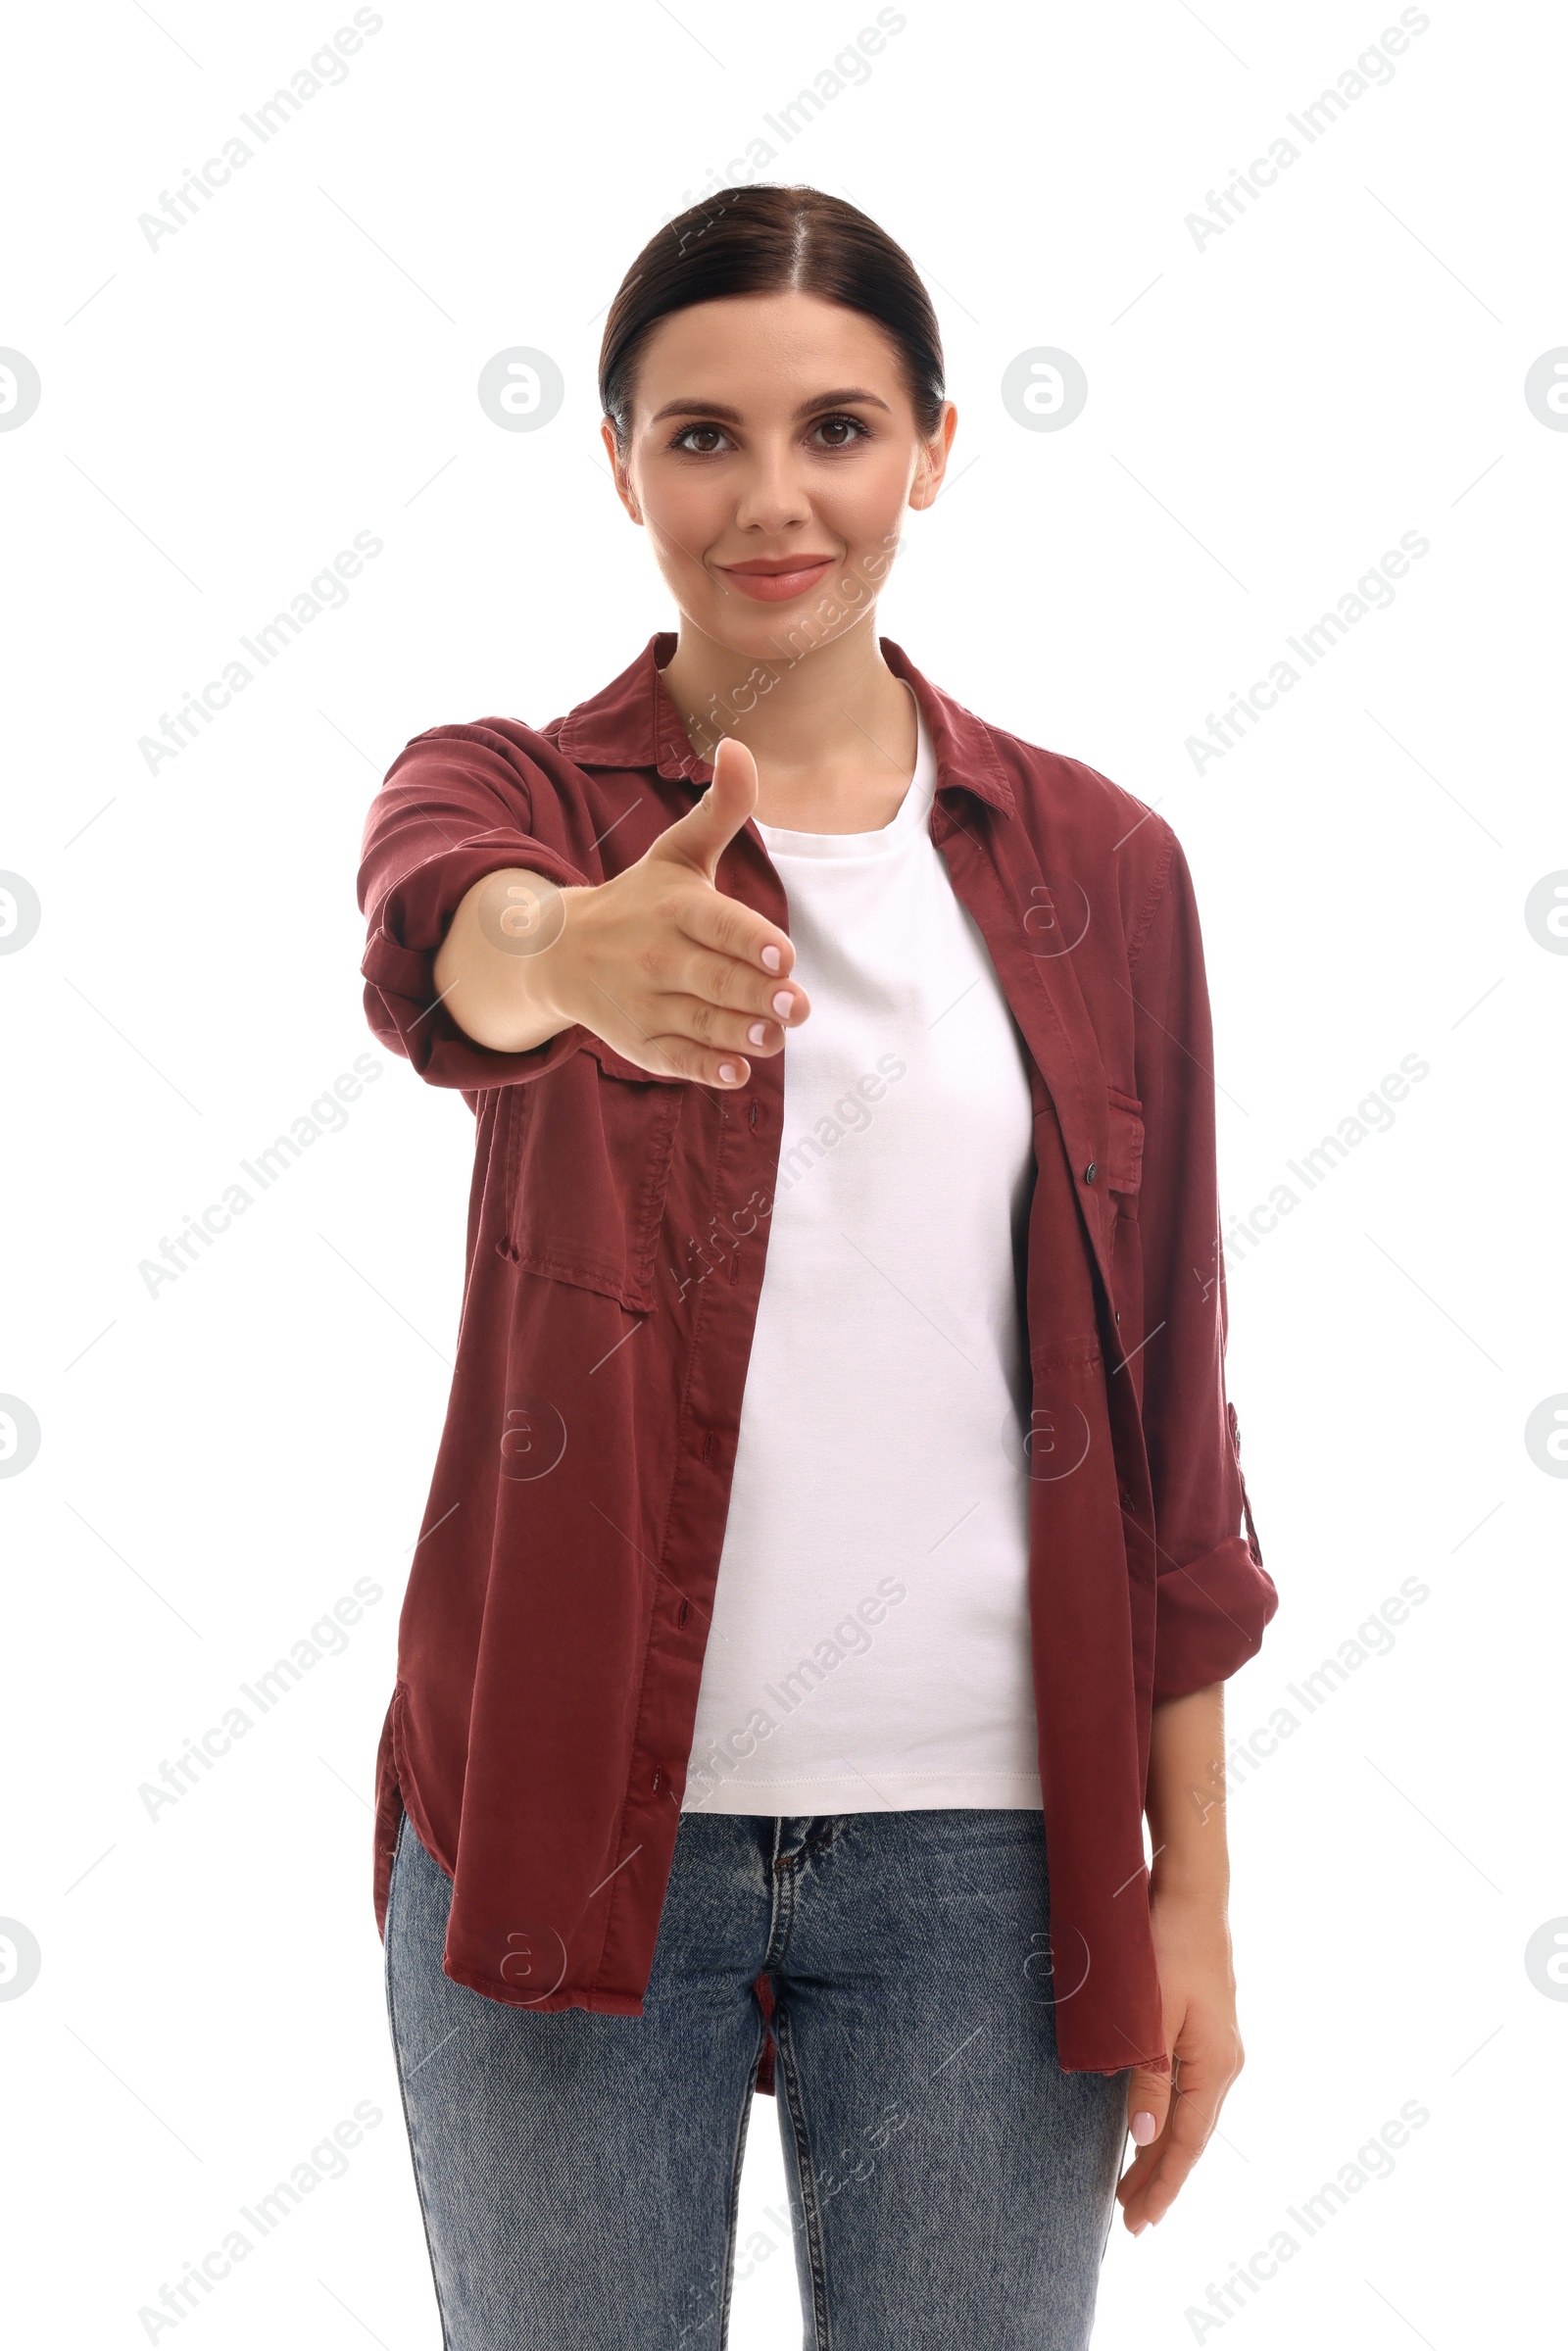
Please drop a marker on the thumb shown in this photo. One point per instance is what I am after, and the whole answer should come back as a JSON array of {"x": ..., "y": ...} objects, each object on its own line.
[
  {"x": 700, "y": 838},
  {"x": 1148, "y": 2105}
]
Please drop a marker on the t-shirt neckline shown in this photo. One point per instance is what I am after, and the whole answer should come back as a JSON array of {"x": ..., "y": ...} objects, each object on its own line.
[{"x": 885, "y": 839}]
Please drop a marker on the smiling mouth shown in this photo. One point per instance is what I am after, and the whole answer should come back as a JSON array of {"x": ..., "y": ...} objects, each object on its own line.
[{"x": 775, "y": 579}]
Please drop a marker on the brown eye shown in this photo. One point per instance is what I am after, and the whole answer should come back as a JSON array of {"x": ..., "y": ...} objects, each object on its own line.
[
  {"x": 842, "y": 431},
  {"x": 691, "y": 432}
]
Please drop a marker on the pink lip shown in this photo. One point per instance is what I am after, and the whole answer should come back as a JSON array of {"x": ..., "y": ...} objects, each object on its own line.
[{"x": 777, "y": 581}]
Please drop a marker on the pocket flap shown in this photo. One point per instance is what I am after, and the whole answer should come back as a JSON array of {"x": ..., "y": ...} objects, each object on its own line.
[{"x": 587, "y": 1161}]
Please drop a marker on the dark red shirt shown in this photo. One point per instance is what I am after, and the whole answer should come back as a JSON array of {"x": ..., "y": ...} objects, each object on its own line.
[{"x": 552, "y": 1635}]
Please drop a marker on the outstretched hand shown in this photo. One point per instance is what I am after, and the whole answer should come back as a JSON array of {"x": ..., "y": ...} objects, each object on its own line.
[{"x": 664, "y": 966}]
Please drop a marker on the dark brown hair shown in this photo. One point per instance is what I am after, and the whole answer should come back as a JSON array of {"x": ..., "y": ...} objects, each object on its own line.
[{"x": 772, "y": 240}]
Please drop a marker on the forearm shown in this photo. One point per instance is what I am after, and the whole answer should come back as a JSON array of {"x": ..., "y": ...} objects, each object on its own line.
[
  {"x": 1186, "y": 1800},
  {"x": 492, "y": 969}
]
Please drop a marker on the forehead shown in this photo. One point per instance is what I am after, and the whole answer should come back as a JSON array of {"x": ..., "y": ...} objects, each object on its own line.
[{"x": 761, "y": 353}]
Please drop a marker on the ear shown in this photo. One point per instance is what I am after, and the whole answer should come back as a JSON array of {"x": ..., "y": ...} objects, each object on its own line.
[
  {"x": 623, "y": 480},
  {"x": 932, "y": 465}
]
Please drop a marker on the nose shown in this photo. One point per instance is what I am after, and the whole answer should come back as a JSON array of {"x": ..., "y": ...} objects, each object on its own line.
[{"x": 773, "y": 495}]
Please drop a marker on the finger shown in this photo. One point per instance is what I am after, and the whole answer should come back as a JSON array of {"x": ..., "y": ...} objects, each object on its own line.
[
  {"x": 1149, "y": 2101},
  {"x": 699, "y": 837},
  {"x": 674, "y": 965},
  {"x": 1203, "y": 2083},
  {"x": 711, "y": 919},
  {"x": 710, "y": 1024},
  {"x": 672, "y": 1017},
  {"x": 1147, "y": 2104},
  {"x": 732, "y": 986},
  {"x": 1155, "y": 2178},
  {"x": 1175, "y": 2152},
  {"x": 701, "y": 1065}
]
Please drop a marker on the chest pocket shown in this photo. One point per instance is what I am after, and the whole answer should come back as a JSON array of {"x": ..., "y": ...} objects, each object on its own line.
[
  {"x": 1124, "y": 1170},
  {"x": 587, "y": 1158}
]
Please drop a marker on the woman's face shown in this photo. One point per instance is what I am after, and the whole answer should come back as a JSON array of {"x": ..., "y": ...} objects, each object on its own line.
[{"x": 773, "y": 451}]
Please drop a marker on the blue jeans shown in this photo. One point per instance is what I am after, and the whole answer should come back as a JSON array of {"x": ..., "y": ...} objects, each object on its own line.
[{"x": 949, "y": 2184}]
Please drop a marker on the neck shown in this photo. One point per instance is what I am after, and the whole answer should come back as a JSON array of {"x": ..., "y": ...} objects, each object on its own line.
[{"x": 836, "y": 709}]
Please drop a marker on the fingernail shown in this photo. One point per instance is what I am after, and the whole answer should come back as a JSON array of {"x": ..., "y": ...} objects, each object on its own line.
[
  {"x": 772, "y": 961},
  {"x": 727, "y": 1070},
  {"x": 757, "y": 1033},
  {"x": 782, "y": 1004},
  {"x": 1139, "y": 2231},
  {"x": 1144, "y": 2129}
]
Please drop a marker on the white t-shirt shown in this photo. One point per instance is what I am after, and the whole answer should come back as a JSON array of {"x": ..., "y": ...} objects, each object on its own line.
[{"x": 869, "y": 1648}]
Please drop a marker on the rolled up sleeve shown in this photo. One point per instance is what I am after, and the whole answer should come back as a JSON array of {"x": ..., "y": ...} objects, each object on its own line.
[
  {"x": 459, "y": 802},
  {"x": 1213, "y": 1595}
]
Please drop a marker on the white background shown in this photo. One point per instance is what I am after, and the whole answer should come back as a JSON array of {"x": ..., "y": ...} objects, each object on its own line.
[{"x": 218, "y": 1464}]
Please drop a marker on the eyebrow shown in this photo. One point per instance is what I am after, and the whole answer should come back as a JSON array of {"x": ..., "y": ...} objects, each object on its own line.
[{"x": 732, "y": 416}]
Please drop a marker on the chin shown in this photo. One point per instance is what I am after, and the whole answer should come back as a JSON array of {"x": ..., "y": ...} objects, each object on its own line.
[
  {"x": 754, "y": 634},
  {"x": 783, "y": 632}
]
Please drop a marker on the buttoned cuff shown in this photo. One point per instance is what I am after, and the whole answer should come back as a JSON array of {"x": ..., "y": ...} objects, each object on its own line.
[
  {"x": 1210, "y": 1618},
  {"x": 399, "y": 967}
]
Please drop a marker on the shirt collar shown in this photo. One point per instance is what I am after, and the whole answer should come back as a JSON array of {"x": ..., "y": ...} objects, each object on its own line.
[{"x": 633, "y": 723}]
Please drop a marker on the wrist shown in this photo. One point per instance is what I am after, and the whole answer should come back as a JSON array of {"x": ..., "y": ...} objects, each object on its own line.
[
  {"x": 1191, "y": 1858},
  {"x": 554, "y": 981},
  {"x": 515, "y": 982},
  {"x": 1196, "y": 1881}
]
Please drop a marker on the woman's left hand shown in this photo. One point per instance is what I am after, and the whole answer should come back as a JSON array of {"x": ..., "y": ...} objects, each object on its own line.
[{"x": 1171, "y": 2115}]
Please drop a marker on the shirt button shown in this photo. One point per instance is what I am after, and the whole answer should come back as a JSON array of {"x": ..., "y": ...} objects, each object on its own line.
[{"x": 1090, "y": 1172}]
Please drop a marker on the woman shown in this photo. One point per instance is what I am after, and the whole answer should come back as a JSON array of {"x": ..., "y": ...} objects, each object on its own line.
[{"x": 838, "y": 1514}]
